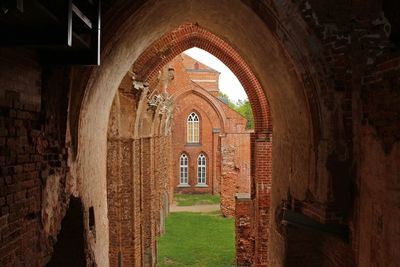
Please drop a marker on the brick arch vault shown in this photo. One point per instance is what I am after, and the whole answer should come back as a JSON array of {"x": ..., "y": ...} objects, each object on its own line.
[
  {"x": 189, "y": 35},
  {"x": 273, "y": 58}
]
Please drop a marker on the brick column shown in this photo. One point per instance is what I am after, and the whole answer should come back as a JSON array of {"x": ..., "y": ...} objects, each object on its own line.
[
  {"x": 126, "y": 204},
  {"x": 263, "y": 181},
  {"x": 137, "y": 203},
  {"x": 148, "y": 226},
  {"x": 113, "y": 176},
  {"x": 215, "y": 145},
  {"x": 120, "y": 201},
  {"x": 244, "y": 230}
]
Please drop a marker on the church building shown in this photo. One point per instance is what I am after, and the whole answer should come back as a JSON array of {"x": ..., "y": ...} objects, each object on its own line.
[{"x": 210, "y": 142}]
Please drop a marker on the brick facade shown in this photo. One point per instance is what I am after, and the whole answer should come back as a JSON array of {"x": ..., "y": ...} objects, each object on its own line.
[{"x": 223, "y": 138}]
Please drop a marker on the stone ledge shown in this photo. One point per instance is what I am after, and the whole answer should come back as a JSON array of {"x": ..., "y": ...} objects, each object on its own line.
[{"x": 243, "y": 196}]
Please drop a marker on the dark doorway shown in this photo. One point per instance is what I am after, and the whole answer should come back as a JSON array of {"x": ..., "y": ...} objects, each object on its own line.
[{"x": 69, "y": 249}]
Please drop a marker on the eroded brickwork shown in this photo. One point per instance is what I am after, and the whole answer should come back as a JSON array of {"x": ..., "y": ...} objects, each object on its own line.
[
  {"x": 138, "y": 171},
  {"x": 34, "y": 191},
  {"x": 244, "y": 232}
]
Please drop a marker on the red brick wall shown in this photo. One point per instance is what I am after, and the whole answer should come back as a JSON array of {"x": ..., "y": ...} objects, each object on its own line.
[
  {"x": 33, "y": 181},
  {"x": 223, "y": 136},
  {"x": 138, "y": 172},
  {"x": 208, "y": 121},
  {"x": 203, "y": 75},
  {"x": 244, "y": 232},
  {"x": 235, "y": 169}
]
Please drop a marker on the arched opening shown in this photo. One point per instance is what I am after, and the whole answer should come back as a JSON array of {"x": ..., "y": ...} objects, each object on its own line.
[
  {"x": 293, "y": 138},
  {"x": 261, "y": 141},
  {"x": 70, "y": 247},
  {"x": 330, "y": 70}
]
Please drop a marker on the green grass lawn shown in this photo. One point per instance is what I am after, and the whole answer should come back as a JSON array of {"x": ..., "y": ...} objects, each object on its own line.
[
  {"x": 196, "y": 199},
  {"x": 197, "y": 239}
]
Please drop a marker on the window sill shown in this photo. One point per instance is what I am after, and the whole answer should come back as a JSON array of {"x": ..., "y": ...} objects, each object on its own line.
[
  {"x": 193, "y": 144},
  {"x": 201, "y": 185},
  {"x": 183, "y": 185}
]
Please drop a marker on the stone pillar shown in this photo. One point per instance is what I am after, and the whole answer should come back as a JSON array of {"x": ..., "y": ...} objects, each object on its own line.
[
  {"x": 263, "y": 181},
  {"x": 244, "y": 230}
]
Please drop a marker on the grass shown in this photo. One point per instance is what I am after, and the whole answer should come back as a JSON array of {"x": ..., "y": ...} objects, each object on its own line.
[
  {"x": 196, "y": 199},
  {"x": 197, "y": 239}
]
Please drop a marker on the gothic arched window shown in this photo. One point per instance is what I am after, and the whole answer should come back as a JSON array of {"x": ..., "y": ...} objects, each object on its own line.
[
  {"x": 183, "y": 172},
  {"x": 193, "y": 128},
  {"x": 201, "y": 169}
]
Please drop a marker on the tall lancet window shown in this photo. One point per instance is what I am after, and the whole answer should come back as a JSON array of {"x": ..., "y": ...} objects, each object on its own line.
[
  {"x": 183, "y": 173},
  {"x": 201, "y": 169},
  {"x": 193, "y": 128}
]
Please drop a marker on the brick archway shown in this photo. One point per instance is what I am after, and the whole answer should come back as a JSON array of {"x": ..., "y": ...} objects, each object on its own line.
[
  {"x": 269, "y": 60},
  {"x": 162, "y": 51},
  {"x": 189, "y": 35}
]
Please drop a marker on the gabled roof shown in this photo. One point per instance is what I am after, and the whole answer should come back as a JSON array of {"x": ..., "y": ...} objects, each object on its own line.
[{"x": 190, "y": 62}]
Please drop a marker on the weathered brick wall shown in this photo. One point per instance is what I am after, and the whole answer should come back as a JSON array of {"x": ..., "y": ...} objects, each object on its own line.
[
  {"x": 138, "y": 171},
  {"x": 244, "y": 229},
  {"x": 235, "y": 169},
  {"x": 34, "y": 193},
  {"x": 163, "y": 176},
  {"x": 263, "y": 182},
  {"x": 379, "y": 165}
]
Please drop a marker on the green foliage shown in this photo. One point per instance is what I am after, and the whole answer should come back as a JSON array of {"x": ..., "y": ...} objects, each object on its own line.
[
  {"x": 196, "y": 199},
  {"x": 243, "y": 107},
  {"x": 225, "y": 98},
  {"x": 197, "y": 239}
]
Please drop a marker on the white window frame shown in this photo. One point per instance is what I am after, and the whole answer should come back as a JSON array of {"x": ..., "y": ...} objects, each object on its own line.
[
  {"x": 193, "y": 128},
  {"x": 183, "y": 169},
  {"x": 201, "y": 169}
]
